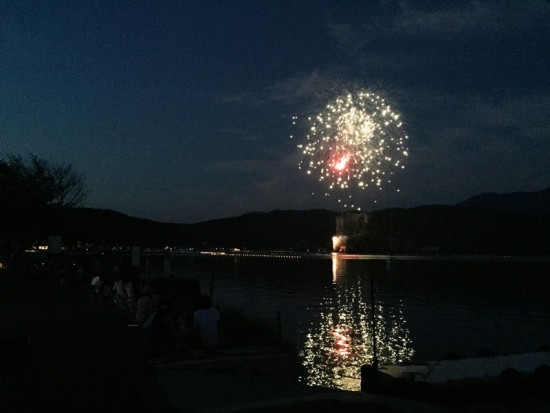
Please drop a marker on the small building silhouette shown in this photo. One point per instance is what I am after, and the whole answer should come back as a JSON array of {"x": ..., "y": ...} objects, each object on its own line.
[{"x": 348, "y": 223}]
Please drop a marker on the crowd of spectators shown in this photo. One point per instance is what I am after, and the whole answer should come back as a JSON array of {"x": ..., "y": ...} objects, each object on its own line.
[{"x": 185, "y": 328}]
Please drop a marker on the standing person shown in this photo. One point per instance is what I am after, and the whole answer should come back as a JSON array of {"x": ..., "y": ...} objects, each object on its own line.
[
  {"x": 96, "y": 287},
  {"x": 206, "y": 319},
  {"x": 120, "y": 297},
  {"x": 156, "y": 297},
  {"x": 130, "y": 299},
  {"x": 143, "y": 306}
]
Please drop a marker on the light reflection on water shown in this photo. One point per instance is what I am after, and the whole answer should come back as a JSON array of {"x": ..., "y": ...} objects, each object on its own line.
[
  {"x": 424, "y": 308},
  {"x": 339, "y": 340}
]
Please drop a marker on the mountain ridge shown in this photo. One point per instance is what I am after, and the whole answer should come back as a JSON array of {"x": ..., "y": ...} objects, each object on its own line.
[
  {"x": 517, "y": 225},
  {"x": 537, "y": 203}
]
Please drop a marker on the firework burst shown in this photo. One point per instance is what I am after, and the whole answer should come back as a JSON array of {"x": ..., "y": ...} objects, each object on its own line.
[{"x": 356, "y": 142}]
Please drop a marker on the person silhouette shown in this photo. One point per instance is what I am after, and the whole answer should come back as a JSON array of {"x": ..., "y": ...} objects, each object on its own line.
[{"x": 206, "y": 320}]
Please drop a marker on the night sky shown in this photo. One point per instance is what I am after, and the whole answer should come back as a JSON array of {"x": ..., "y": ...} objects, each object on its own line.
[{"x": 181, "y": 111}]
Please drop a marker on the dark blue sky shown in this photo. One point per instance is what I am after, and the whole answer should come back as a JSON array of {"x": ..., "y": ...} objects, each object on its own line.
[{"x": 181, "y": 111}]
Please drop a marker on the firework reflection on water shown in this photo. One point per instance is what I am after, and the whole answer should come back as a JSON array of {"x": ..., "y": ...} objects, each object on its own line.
[{"x": 339, "y": 341}]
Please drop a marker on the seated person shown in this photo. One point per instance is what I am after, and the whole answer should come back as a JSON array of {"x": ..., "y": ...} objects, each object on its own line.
[
  {"x": 206, "y": 319},
  {"x": 159, "y": 335}
]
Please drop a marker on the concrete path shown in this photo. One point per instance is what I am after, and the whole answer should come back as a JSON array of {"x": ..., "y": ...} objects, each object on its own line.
[
  {"x": 230, "y": 380},
  {"x": 262, "y": 383}
]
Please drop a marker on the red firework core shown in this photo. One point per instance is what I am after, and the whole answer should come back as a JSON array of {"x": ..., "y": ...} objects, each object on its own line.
[{"x": 340, "y": 162}]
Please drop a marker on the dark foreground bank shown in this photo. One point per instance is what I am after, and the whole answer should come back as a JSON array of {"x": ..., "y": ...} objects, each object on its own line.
[{"x": 63, "y": 352}]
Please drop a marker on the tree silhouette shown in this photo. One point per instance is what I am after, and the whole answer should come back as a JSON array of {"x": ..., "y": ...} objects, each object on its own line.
[{"x": 29, "y": 191}]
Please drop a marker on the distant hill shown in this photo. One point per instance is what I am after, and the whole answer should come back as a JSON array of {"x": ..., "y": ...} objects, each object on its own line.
[
  {"x": 445, "y": 229},
  {"x": 284, "y": 230},
  {"x": 103, "y": 227},
  {"x": 536, "y": 203},
  {"x": 516, "y": 223}
]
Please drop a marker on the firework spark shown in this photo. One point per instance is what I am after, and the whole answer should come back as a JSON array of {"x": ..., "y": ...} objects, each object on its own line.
[{"x": 356, "y": 142}]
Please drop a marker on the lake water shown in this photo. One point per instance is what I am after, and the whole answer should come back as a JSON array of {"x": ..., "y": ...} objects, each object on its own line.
[{"x": 423, "y": 308}]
